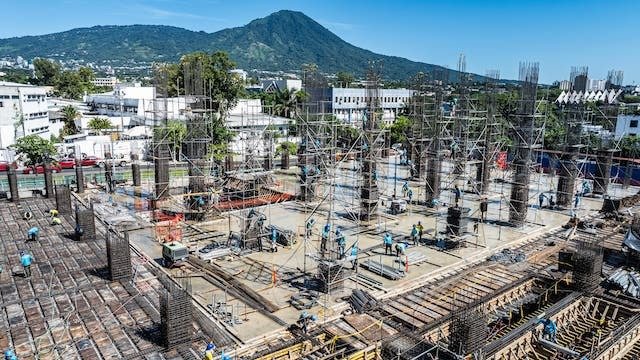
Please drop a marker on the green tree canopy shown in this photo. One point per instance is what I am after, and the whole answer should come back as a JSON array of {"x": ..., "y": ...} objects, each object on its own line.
[
  {"x": 174, "y": 133},
  {"x": 46, "y": 71},
  {"x": 286, "y": 146},
  {"x": 34, "y": 149},
  {"x": 399, "y": 129},
  {"x": 69, "y": 115},
  {"x": 344, "y": 79},
  {"x": 99, "y": 124}
]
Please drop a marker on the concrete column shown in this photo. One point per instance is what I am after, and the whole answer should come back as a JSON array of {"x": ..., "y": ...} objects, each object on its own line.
[
  {"x": 79, "y": 177},
  {"x": 135, "y": 171},
  {"x": 48, "y": 181},
  {"x": 13, "y": 184}
]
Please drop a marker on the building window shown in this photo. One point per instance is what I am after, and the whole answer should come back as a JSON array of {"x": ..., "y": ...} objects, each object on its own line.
[
  {"x": 633, "y": 123},
  {"x": 1, "y": 105}
]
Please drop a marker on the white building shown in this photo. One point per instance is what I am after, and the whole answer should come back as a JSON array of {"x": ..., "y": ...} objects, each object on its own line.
[
  {"x": 627, "y": 125},
  {"x": 281, "y": 85},
  {"x": 26, "y": 102},
  {"x": 565, "y": 85},
  {"x": 597, "y": 85},
  {"x": 349, "y": 104},
  {"x": 132, "y": 104},
  {"x": 241, "y": 74},
  {"x": 106, "y": 81}
]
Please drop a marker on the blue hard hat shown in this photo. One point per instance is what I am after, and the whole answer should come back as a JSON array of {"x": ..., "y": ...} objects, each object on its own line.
[
  {"x": 9, "y": 353},
  {"x": 210, "y": 346}
]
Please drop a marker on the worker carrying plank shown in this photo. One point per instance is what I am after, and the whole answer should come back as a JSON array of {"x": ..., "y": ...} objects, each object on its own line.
[{"x": 32, "y": 234}]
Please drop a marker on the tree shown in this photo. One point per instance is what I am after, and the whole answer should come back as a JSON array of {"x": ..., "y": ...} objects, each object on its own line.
[
  {"x": 34, "y": 148},
  {"x": 69, "y": 84},
  {"x": 98, "y": 124},
  {"x": 399, "y": 129},
  {"x": 222, "y": 87},
  {"x": 46, "y": 71},
  {"x": 344, "y": 79},
  {"x": 285, "y": 102},
  {"x": 220, "y": 138},
  {"x": 286, "y": 146},
  {"x": 175, "y": 133},
  {"x": 69, "y": 116},
  {"x": 86, "y": 77}
]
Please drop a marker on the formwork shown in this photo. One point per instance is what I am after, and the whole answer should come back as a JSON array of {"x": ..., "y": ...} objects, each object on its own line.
[
  {"x": 79, "y": 177},
  {"x": 135, "y": 171},
  {"x": 63, "y": 200},
  {"x": 85, "y": 221},
  {"x": 175, "y": 315},
  {"x": 13, "y": 184},
  {"x": 118, "y": 256},
  {"x": 48, "y": 181},
  {"x": 602, "y": 176}
]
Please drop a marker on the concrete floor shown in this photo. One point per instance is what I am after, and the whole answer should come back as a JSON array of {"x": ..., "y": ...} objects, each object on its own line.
[{"x": 256, "y": 269}]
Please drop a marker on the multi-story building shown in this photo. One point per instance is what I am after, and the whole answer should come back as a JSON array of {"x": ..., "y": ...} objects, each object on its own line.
[
  {"x": 105, "y": 81},
  {"x": 23, "y": 111},
  {"x": 627, "y": 125},
  {"x": 349, "y": 104},
  {"x": 281, "y": 85}
]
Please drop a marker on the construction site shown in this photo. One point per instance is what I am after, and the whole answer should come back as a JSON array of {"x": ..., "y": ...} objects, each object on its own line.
[{"x": 458, "y": 244}]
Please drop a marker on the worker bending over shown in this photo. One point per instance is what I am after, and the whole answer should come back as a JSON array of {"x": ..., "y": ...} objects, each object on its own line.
[
  {"x": 53, "y": 213},
  {"x": 400, "y": 248},
  {"x": 305, "y": 320},
  {"x": 550, "y": 329},
  {"x": 388, "y": 241},
  {"x": 10, "y": 355},
  {"x": 32, "y": 234}
]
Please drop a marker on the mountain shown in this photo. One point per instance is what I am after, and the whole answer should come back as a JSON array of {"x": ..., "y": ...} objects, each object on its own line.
[{"x": 281, "y": 41}]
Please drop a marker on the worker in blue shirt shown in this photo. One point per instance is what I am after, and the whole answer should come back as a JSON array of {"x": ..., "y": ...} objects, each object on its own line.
[
  {"x": 550, "y": 329},
  {"x": 388, "y": 241},
  {"x": 342, "y": 243},
  {"x": 304, "y": 320},
  {"x": 410, "y": 195},
  {"x": 354, "y": 256},
  {"x": 309, "y": 227},
  {"x": 400, "y": 247},
  {"x": 274, "y": 240},
  {"x": 414, "y": 234},
  {"x": 25, "y": 260},
  {"x": 326, "y": 231},
  {"x": 457, "y": 193},
  {"x": 541, "y": 200},
  {"x": 32, "y": 234},
  {"x": 576, "y": 201},
  {"x": 405, "y": 188},
  {"x": 10, "y": 355}
]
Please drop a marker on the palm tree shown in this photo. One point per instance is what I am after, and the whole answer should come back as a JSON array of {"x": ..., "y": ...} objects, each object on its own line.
[
  {"x": 98, "y": 124},
  {"x": 287, "y": 101},
  {"x": 69, "y": 115}
]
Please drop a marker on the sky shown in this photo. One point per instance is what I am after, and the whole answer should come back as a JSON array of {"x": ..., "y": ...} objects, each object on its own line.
[{"x": 493, "y": 34}]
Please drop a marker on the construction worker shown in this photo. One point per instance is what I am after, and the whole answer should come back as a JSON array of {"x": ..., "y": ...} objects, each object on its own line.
[
  {"x": 550, "y": 329},
  {"x": 576, "y": 201},
  {"x": 224, "y": 356},
  {"x": 420, "y": 231},
  {"x": 405, "y": 188},
  {"x": 541, "y": 200},
  {"x": 400, "y": 247},
  {"x": 326, "y": 230},
  {"x": 274, "y": 240},
  {"x": 53, "y": 213},
  {"x": 27, "y": 215},
  {"x": 342, "y": 243},
  {"x": 309, "y": 227},
  {"x": 304, "y": 320},
  {"x": 56, "y": 221},
  {"x": 475, "y": 227},
  {"x": 10, "y": 355},
  {"x": 26, "y": 259},
  {"x": 552, "y": 202},
  {"x": 354, "y": 256},
  {"x": 457, "y": 193},
  {"x": 32, "y": 234},
  {"x": 414, "y": 234},
  {"x": 388, "y": 241},
  {"x": 208, "y": 352},
  {"x": 484, "y": 206},
  {"x": 410, "y": 195}
]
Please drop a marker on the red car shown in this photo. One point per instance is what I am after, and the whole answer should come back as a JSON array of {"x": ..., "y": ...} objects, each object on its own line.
[
  {"x": 40, "y": 169},
  {"x": 67, "y": 163},
  {"x": 4, "y": 166},
  {"x": 90, "y": 161}
]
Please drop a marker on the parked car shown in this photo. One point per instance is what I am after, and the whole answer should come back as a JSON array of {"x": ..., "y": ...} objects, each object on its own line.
[
  {"x": 117, "y": 162},
  {"x": 67, "y": 163},
  {"x": 4, "y": 166},
  {"x": 40, "y": 169},
  {"x": 90, "y": 161}
]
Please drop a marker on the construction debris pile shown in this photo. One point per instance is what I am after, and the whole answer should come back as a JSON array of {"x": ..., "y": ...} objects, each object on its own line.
[
  {"x": 508, "y": 256},
  {"x": 627, "y": 280}
]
